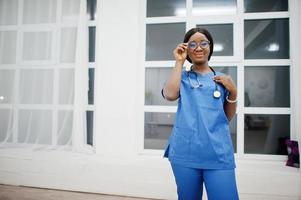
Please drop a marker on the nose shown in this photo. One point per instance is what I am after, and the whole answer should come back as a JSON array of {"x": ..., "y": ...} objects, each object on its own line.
[{"x": 199, "y": 48}]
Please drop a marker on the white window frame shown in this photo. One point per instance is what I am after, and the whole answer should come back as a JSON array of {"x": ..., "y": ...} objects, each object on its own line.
[
  {"x": 55, "y": 29},
  {"x": 237, "y": 60}
]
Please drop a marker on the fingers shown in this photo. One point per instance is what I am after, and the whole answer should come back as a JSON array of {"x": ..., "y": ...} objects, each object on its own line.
[
  {"x": 217, "y": 78},
  {"x": 182, "y": 47},
  {"x": 222, "y": 78}
]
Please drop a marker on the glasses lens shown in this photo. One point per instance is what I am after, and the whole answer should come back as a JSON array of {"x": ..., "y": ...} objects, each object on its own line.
[
  {"x": 204, "y": 44},
  {"x": 192, "y": 45}
]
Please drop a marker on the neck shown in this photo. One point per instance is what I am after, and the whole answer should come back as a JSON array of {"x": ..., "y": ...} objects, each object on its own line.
[{"x": 201, "y": 68}]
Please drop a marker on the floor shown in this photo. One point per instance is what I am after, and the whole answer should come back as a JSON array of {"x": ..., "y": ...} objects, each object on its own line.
[{"x": 28, "y": 193}]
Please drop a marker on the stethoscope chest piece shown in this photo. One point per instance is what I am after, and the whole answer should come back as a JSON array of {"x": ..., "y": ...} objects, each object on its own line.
[{"x": 217, "y": 94}]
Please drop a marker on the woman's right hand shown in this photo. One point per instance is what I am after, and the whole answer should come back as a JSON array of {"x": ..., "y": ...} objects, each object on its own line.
[{"x": 180, "y": 52}]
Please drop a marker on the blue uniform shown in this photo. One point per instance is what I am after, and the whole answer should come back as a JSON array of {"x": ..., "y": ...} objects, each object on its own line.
[
  {"x": 200, "y": 147},
  {"x": 201, "y": 137}
]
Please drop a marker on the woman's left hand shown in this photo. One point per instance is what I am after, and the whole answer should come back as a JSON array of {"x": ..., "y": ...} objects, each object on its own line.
[{"x": 227, "y": 81}]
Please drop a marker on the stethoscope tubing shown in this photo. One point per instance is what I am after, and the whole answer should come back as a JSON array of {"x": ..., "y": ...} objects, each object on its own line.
[{"x": 216, "y": 92}]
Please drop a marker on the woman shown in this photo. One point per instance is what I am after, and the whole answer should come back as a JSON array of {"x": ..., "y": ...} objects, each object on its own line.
[{"x": 200, "y": 148}]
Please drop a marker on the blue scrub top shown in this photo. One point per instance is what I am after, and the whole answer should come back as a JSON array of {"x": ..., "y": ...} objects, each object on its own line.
[{"x": 201, "y": 137}]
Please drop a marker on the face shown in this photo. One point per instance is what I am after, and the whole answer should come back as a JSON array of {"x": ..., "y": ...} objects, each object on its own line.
[{"x": 198, "y": 48}]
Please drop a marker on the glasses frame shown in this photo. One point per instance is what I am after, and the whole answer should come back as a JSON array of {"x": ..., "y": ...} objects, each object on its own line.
[{"x": 198, "y": 44}]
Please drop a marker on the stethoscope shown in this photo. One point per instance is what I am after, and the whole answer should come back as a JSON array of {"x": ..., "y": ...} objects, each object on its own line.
[{"x": 216, "y": 93}]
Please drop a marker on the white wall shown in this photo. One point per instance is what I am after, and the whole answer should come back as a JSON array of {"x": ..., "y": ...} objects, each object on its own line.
[{"x": 119, "y": 166}]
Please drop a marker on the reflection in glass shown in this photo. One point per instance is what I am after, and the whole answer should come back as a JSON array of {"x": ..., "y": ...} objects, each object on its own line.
[
  {"x": 223, "y": 38},
  {"x": 92, "y": 44},
  {"x": 157, "y": 128},
  {"x": 91, "y": 9},
  {"x": 213, "y": 7},
  {"x": 267, "y": 86},
  {"x": 155, "y": 78},
  {"x": 265, "y": 6},
  {"x": 91, "y": 86},
  {"x": 231, "y": 71},
  {"x": 264, "y": 134},
  {"x": 267, "y": 39},
  {"x": 89, "y": 115},
  {"x": 161, "y": 39},
  {"x": 159, "y": 8}
]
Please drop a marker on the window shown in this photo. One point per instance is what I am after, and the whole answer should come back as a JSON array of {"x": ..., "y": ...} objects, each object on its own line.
[
  {"x": 251, "y": 45},
  {"x": 91, "y": 8},
  {"x": 37, "y": 58}
]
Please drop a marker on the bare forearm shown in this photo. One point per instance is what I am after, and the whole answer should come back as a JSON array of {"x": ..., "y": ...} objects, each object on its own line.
[
  {"x": 172, "y": 86},
  {"x": 230, "y": 108}
]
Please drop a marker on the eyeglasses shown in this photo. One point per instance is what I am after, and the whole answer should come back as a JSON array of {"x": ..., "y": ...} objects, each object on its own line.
[{"x": 203, "y": 44}]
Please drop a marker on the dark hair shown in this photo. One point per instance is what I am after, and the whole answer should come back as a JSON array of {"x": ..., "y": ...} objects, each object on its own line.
[{"x": 203, "y": 31}]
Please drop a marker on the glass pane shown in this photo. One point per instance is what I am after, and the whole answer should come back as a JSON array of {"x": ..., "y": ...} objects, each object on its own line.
[
  {"x": 92, "y": 44},
  {"x": 159, "y": 8},
  {"x": 68, "y": 45},
  {"x": 267, "y": 86},
  {"x": 6, "y": 124},
  {"x": 155, "y": 79},
  {"x": 8, "y": 12},
  {"x": 35, "y": 126},
  {"x": 36, "y": 86},
  {"x": 37, "y": 11},
  {"x": 7, "y": 82},
  {"x": 231, "y": 71},
  {"x": 66, "y": 86},
  {"x": 37, "y": 46},
  {"x": 264, "y": 133},
  {"x": 265, "y": 6},
  {"x": 223, "y": 38},
  {"x": 157, "y": 128},
  {"x": 8, "y": 45},
  {"x": 267, "y": 39},
  {"x": 92, "y": 9},
  {"x": 89, "y": 115},
  {"x": 70, "y": 10},
  {"x": 91, "y": 87},
  {"x": 213, "y": 7},
  {"x": 65, "y": 122},
  {"x": 161, "y": 39}
]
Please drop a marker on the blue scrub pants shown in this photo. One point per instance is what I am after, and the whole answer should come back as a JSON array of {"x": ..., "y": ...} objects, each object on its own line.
[{"x": 219, "y": 184}]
